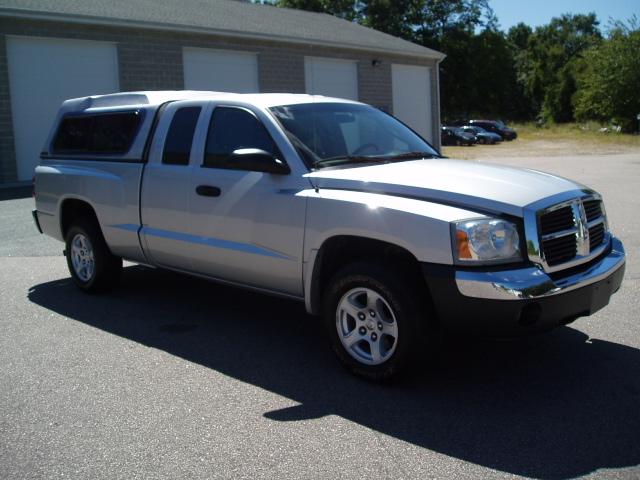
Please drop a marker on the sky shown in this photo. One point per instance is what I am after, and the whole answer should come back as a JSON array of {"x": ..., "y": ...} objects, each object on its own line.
[{"x": 539, "y": 12}]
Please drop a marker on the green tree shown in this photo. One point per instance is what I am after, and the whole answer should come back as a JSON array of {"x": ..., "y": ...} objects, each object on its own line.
[
  {"x": 518, "y": 36},
  {"x": 518, "y": 41},
  {"x": 440, "y": 17},
  {"x": 548, "y": 66},
  {"x": 451, "y": 27},
  {"x": 497, "y": 93},
  {"x": 395, "y": 17},
  {"x": 478, "y": 77},
  {"x": 608, "y": 84},
  {"x": 425, "y": 21}
]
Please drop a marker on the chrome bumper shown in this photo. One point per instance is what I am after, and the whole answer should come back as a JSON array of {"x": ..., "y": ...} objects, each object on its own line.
[{"x": 532, "y": 282}]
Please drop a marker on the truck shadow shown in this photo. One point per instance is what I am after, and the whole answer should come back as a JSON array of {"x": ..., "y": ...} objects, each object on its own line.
[{"x": 556, "y": 406}]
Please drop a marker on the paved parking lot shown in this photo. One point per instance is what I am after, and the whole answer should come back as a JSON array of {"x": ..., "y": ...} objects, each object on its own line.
[{"x": 172, "y": 377}]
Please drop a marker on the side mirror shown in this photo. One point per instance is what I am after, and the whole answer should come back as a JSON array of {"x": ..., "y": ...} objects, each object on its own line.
[{"x": 257, "y": 160}]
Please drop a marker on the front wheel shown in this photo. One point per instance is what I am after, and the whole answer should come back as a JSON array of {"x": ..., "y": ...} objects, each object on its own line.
[
  {"x": 92, "y": 266},
  {"x": 372, "y": 319}
]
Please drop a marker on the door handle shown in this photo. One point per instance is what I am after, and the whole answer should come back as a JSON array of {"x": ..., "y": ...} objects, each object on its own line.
[{"x": 208, "y": 191}]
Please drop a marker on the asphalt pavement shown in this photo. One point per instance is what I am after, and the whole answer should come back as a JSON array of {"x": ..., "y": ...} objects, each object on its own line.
[{"x": 174, "y": 377}]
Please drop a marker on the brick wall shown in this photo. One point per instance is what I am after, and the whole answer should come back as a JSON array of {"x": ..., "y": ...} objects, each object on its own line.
[
  {"x": 374, "y": 82},
  {"x": 7, "y": 151},
  {"x": 151, "y": 64},
  {"x": 152, "y": 60},
  {"x": 281, "y": 70}
]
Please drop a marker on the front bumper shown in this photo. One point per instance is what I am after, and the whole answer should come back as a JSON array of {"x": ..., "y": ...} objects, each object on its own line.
[{"x": 525, "y": 300}]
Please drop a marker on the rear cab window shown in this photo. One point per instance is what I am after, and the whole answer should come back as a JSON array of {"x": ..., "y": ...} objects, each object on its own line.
[{"x": 177, "y": 146}]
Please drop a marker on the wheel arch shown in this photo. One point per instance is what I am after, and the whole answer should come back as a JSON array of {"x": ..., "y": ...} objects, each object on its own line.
[
  {"x": 71, "y": 209},
  {"x": 339, "y": 250}
]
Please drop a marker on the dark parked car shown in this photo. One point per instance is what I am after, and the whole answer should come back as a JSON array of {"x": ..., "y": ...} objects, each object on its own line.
[
  {"x": 456, "y": 136},
  {"x": 482, "y": 136},
  {"x": 495, "y": 126}
]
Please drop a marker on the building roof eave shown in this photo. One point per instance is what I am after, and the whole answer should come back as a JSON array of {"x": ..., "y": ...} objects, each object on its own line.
[{"x": 127, "y": 23}]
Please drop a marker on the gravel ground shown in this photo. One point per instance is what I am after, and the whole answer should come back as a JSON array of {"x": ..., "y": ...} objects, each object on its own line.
[{"x": 173, "y": 377}]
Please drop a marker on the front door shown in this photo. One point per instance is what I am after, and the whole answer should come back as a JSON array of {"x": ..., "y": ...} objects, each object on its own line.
[{"x": 247, "y": 226}]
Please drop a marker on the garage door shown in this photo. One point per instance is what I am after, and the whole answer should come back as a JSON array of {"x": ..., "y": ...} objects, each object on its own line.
[
  {"x": 42, "y": 73},
  {"x": 220, "y": 70},
  {"x": 412, "y": 97},
  {"x": 331, "y": 77}
]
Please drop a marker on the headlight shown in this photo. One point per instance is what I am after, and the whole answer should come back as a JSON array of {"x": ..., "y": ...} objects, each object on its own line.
[{"x": 490, "y": 240}]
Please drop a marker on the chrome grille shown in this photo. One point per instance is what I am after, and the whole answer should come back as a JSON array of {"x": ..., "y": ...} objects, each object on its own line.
[
  {"x": 556, "y": 221},
  {"x": 571, "y": 232},
  {"x": 559, "y": 250},
  {"x": 596, "y": 236},
  {"x": 593, "y": 209}
]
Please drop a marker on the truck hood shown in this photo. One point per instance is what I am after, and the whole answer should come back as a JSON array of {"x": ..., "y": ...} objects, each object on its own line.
[{"x": 467, "y": 184}]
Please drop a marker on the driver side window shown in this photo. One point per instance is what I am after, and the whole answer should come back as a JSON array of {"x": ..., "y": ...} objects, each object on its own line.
[{"x": 233, "y": 128}]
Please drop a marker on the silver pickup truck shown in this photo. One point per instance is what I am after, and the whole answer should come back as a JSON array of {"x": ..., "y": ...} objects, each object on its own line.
[{"x": 327, "y": 201}]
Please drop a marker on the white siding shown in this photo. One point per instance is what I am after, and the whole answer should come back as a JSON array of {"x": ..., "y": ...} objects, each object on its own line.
[
  {"x": 331, "y": 77},
  {"x": 43, "y": 72},
  {"x": 412, "y": 97},
  {"x": 220, "y": 70}
]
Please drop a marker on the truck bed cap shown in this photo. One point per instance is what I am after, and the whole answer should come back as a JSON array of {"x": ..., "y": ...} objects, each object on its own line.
[{"x": 156, "y": 98}]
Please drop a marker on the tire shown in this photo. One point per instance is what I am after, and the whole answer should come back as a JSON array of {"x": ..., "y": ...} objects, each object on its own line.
[
  {"x": 92, "y": 266},
  {"x": 373, "y": 319}
]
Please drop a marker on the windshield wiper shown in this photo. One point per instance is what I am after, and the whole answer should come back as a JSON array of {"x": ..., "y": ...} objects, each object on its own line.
[
  {"x": 349, "y": 159},
  {"x": 342, "y": 159},
  {"x": 414, "y": 155}
]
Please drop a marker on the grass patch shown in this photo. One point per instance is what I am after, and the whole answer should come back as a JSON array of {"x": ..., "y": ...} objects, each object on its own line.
[
  {"x": 552, "y": 141},
  {"x": 589, "y": 132}
]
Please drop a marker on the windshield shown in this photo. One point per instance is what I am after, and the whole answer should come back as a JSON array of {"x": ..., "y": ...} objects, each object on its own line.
[{"x": 330, "y": 134}]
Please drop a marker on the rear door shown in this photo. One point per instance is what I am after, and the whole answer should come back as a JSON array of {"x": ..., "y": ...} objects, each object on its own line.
[
  {"x": 246, "y": 226},
  {"x": 166, "y": 186}
]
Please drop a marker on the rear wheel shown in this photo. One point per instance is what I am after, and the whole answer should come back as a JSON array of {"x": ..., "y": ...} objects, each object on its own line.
[
  {"x": 373, "y": 320},
  {"x": 92, "y": 266}
]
